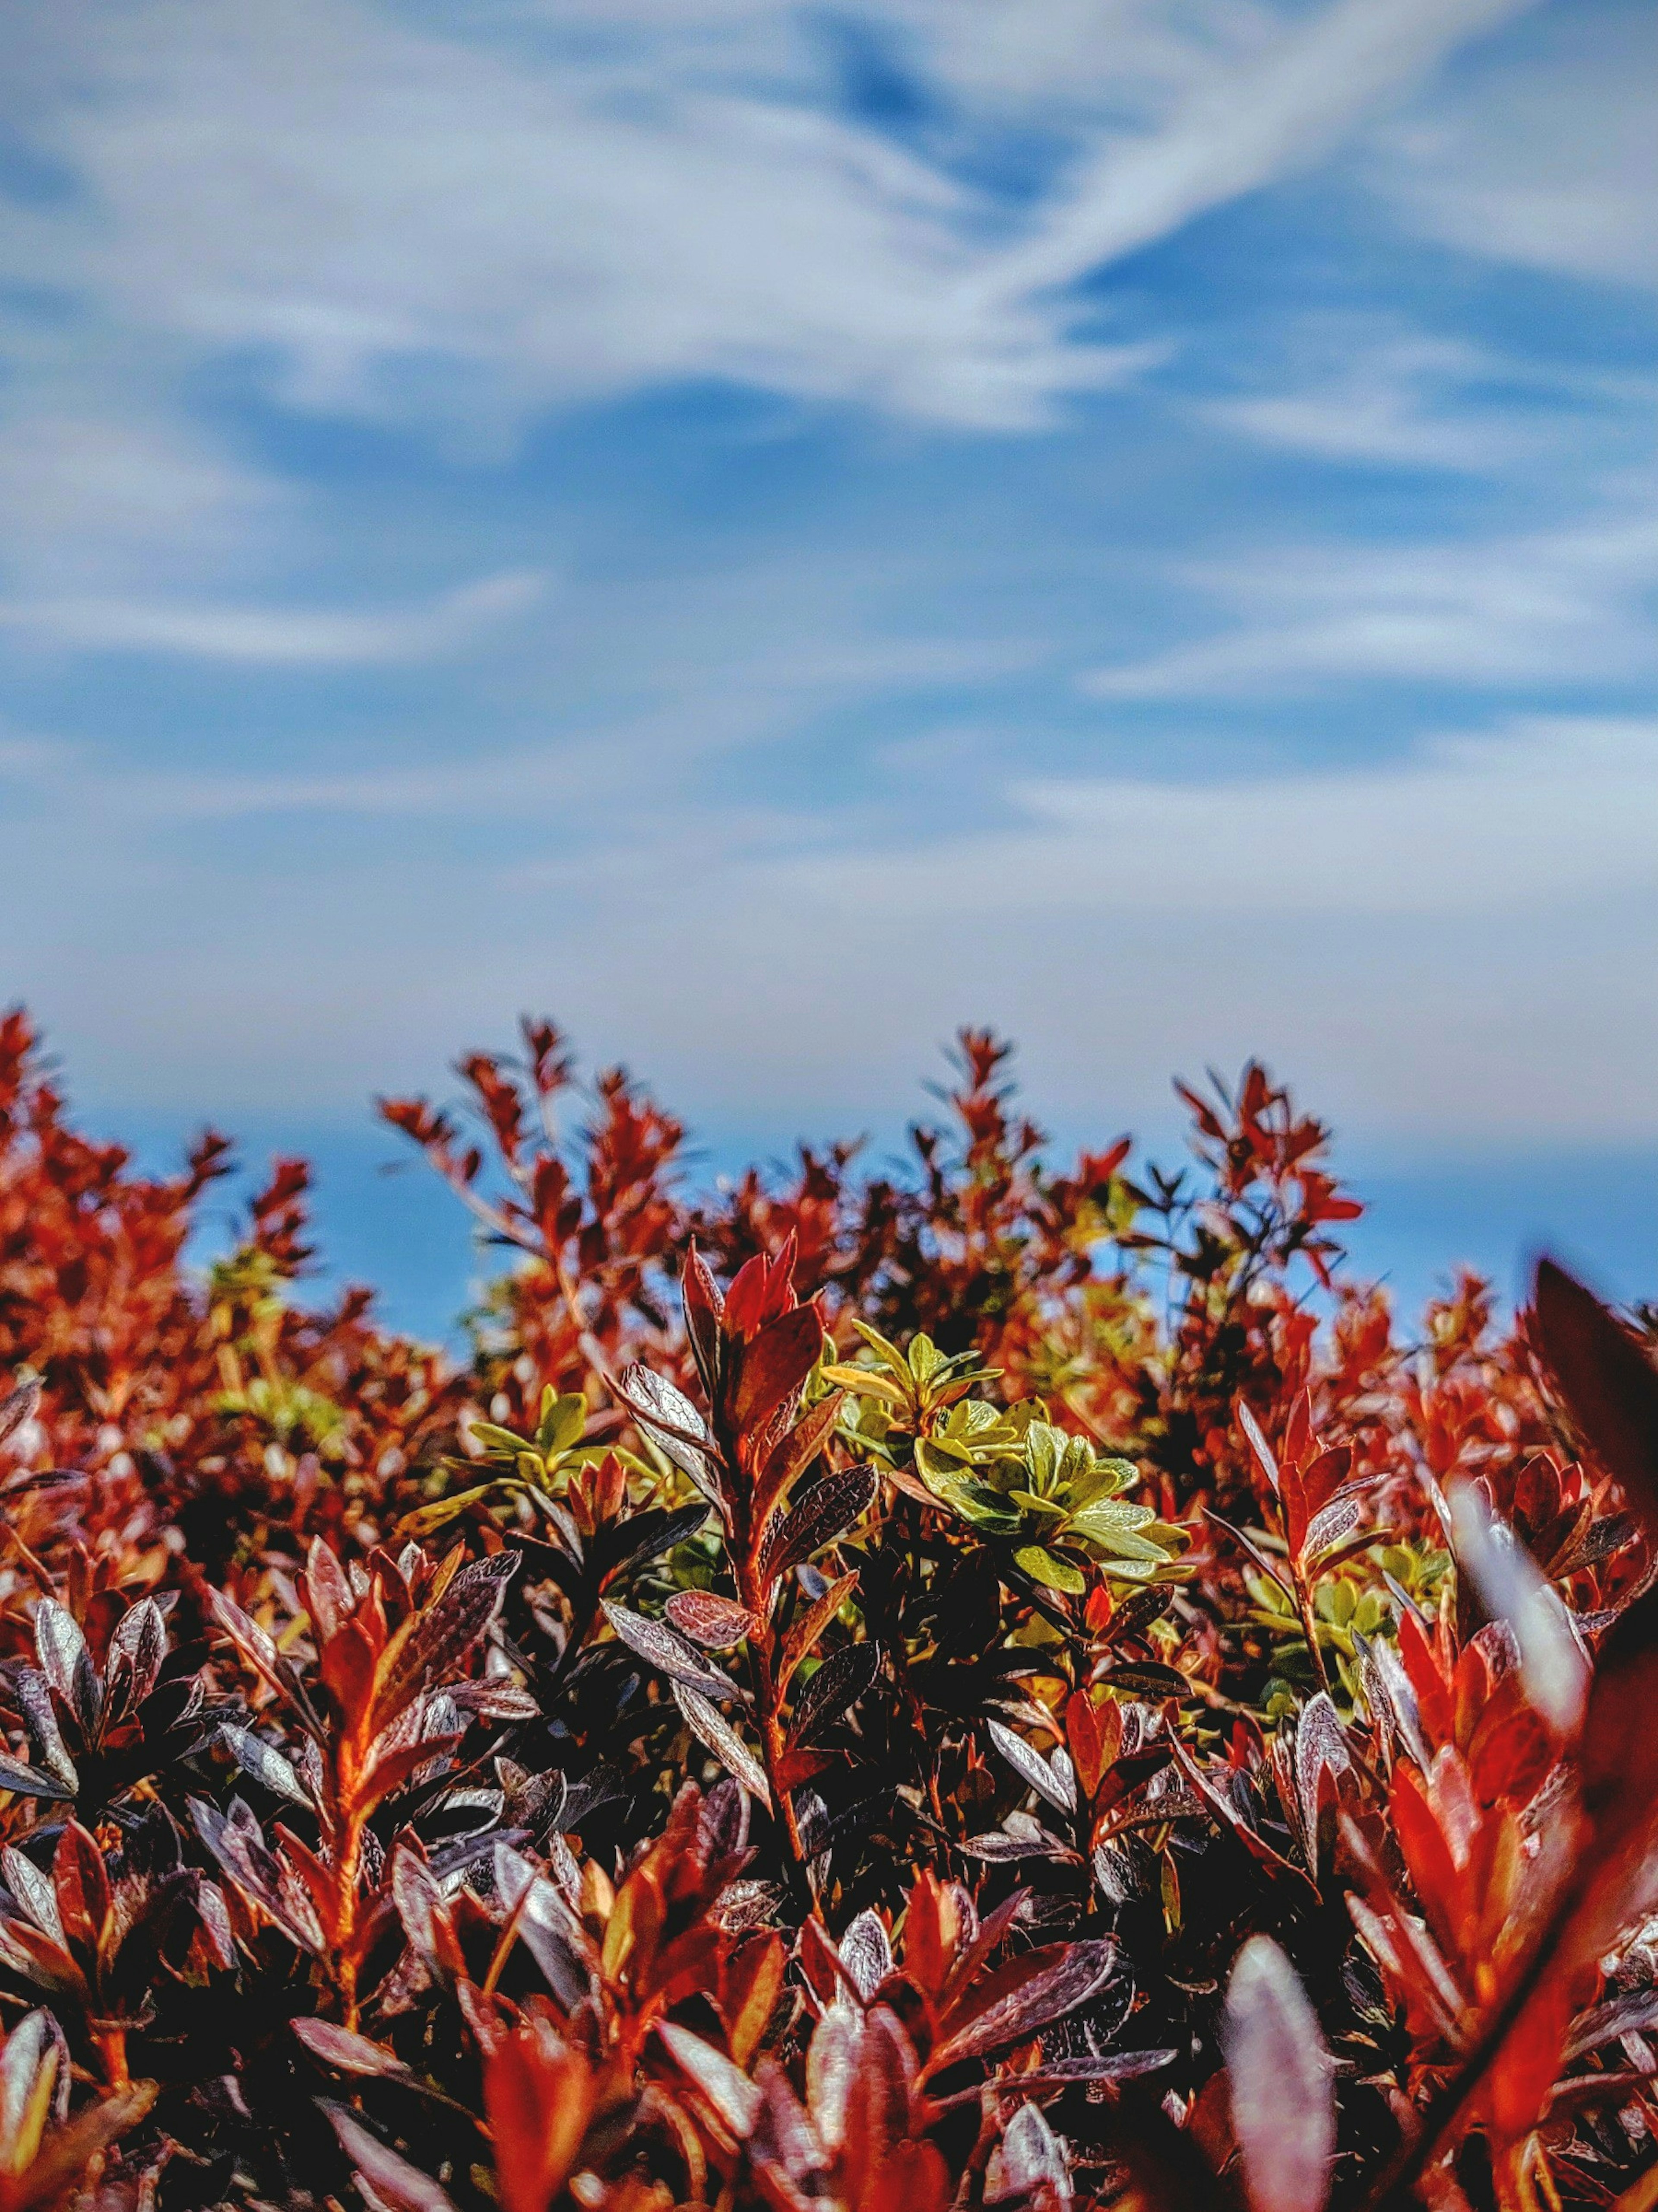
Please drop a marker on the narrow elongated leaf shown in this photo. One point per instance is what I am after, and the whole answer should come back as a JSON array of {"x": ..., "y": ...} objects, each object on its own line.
[
  {"x": 1057, "y": 1784},
  {"x": 704, "y": 1307},
  {"x": 806, "y": 1627},
  {"x": 548, "y": 1929},
  {"x": 726, "y": 2088},
  {"x": 260, "y": 1652},
  {"x": 29, "y": 1782},
  {"x": 790, "y": 1458},
  {"x": 265, "y": 1763},
  {"x": 18, "y": 1406},
  {"x": 1283, "y": 2110},
  {"x": 395, "y": 2183},
  {"x": 664, "y": 1649},
  {"x": 1266, "y": 1458},
  {"x": 674, "y": 1424},
  {"x": 997, "y": 1846},
  {"x": 137, "y": 1651},
  {"x": 1553, "y": 1669},
  {"x": 350, "y": 2053},
  {"x": 1021, "y": 2000},
  {"x": 709, "y": 1728},
  {"x": 33, "y": 1892},
  {"x": 66, "y": 1662},
  {"x": 432, "y": 1646},
  {"x": 846, "y": 1676},
  {"x": 34, "y": 1695},
  {"x": 866, "y": 1954},
  {"x": 1329, "y": 1526},
  {"x": 827, "y": 1510},
  {"x": 1113, "y": 2066}
]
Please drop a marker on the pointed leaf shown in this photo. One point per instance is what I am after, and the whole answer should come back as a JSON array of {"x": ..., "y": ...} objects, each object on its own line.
[
  {"x": 674, "y": 1424},
  {"x": 664, "y": 1648},
  {"x": 66, "y": 1662},
  {"x": 709, "y": 1728},
  {"x": 395, "y": 2183},
  {"x": 263, "y": 1763},
  {"x": 432, "y": 1645},
  {"x": 1554, "y": 1671},
  {"x": 827, "y": 1510},
  {"x": 866, "y": 1952},
  {"x": 846, "y": 1676},
  {"x": 732, "y": 2096},
  {"x": 19, "y": 1405},
  {"x": 1019, "y": 2000},
  {"x": 1056, "y": 1784},
  {"x": 350, "y": 2053}
]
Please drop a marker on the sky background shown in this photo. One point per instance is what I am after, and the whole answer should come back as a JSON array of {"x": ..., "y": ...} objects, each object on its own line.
[{"x": 767, "y": 532}]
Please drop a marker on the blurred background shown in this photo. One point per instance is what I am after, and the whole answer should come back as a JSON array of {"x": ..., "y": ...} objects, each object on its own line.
[{"x": 767, "y": 532}]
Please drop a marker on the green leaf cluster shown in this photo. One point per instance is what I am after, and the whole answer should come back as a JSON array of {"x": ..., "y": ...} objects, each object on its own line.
[{"x": 1009, "y": 1473}]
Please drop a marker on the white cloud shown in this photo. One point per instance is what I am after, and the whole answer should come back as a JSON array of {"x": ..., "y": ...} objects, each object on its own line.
[
  {"x": 1243, "y": 129},
  {"x": 458, "y": 219},
  {"x": 314, "y": 637},
  {"x": 382, "y": 208},
  {"x": 1383, "y": 397},
  {"x": 1546, "y": 607},
  {"x": 1548, "y": 812},
  {"x": 97, "y": 491},
  {"x": 1548, "y": 159}
]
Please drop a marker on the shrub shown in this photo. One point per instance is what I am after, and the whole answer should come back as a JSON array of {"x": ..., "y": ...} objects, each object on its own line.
[{"x": 980, "y": 1686}]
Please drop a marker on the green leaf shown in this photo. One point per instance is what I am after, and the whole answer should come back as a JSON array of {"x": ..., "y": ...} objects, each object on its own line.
[
  {"x": 425, "y": 1518},
  {"x": 1033, "y": 1503},
  {"x": 498, "y": 1442},
  {"x": 983, "y": 1508},
  {"x": 1042, "y": 1566},
  {"x": 925, "y": 1358},
  {"x": 942, "y": 1457},
  {"x": 1108, "y": 1519},
  {"x": 1044, "y": 1451},
  {"x": 884, "y": 1349},
  {"x": 562, "y": 1422}
]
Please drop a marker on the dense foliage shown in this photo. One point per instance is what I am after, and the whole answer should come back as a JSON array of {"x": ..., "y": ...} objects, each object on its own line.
[{"x": 980, "y": 1686}]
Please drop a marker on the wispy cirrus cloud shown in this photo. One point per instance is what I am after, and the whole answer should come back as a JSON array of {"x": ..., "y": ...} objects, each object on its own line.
[
  {"x": 1489, "y": 611},
  {"x": 275, "y": 636},
  {"x": 1240, "y": 127},
  {"x": 1534, "y": 816},
  {"x": 372, "y": 202}
]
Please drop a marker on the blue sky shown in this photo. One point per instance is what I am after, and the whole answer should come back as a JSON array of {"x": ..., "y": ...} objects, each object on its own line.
[{"x": 770, "y": 531}]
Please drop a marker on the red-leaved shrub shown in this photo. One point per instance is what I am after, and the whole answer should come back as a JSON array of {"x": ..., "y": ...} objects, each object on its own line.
[{"x": 978, "y": 1687}]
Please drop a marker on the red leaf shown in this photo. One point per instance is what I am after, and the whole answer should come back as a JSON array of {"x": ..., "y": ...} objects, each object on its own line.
[
  {"x": 715, "y": 1622},
  {"x": 772, "y": 1367}
]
